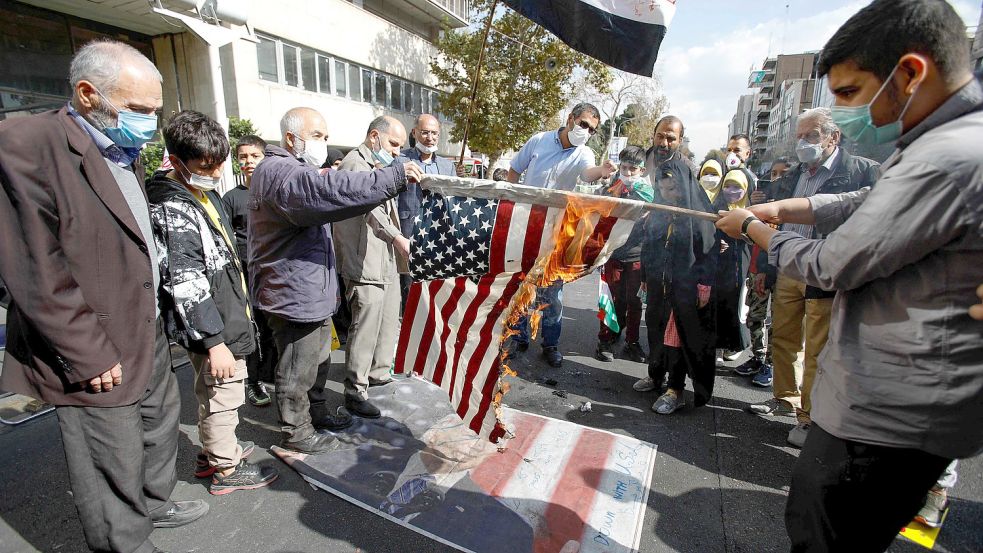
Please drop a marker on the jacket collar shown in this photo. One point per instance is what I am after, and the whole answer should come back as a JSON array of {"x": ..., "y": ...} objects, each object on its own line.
[{"x": 966, "y": 99}]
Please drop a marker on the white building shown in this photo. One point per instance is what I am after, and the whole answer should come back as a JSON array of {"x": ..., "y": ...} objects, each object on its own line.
[{"x": 351, "y": 60}]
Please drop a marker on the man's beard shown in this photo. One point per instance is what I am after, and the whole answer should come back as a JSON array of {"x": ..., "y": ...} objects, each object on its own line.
[
  {"x": 663, "y": 154},
  {"x": 101, "y": 117}
]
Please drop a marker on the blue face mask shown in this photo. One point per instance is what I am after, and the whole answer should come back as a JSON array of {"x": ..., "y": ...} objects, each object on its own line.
[
  {"x": 857, "y": 124},
  {"x": 132, "y": 129},
  {"x": 382, "y": 155}
]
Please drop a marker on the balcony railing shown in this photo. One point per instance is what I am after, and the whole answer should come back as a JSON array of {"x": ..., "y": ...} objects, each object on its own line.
[{"x": 460, "y": 8}]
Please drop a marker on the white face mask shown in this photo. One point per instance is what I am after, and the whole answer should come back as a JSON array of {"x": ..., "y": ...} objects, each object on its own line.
[
  {"x": 733, "y": 161},
  {"x": 424, "y": 149},
  {"x": 626, "y": 177},
  {"x": 578, "y": 136},
  {"x": 807, "y": 152},
  {"x": 709, "y": 182},
  {"x": 200, "y": 182},
  {"x": 314, "y": 152}
]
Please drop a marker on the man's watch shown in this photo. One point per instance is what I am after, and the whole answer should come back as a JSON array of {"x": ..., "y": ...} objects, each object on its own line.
[{"x": 744, "y": 226}]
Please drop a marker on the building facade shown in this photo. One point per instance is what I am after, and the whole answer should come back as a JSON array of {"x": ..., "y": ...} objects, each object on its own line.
[
  {"x": 769, "y": 81},
  {"x": 794, "y": 97},
  {"x": 746, "y": 115},
  {"x": 351, "y": 60}
]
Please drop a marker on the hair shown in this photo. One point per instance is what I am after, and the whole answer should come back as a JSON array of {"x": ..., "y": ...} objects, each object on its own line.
[
  {"x": 782, "y": 160},
  {"x": 741, "y": 136},
  {"x": 580, "y": 108},
  {"x": 193, "y": 135},
  {"x": 671, "y": 120},
  {"x": 250, "y": 140},
  {"x": 500, "y": 174},
  {"x": 632, "y": 154},
  {"x": 381, "y": 124},
  {"x": 824, "y": 116},
  {"x": 101, "y": 61},
  {"x": 293, "y": 121},
  {"x": 878, "y": 35}
]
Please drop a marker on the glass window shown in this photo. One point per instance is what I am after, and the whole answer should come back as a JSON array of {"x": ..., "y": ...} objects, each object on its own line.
[
  {"x": 425, "y": 101},
  {"x": 381, "y": 98},
  {"x": 396, "y": 95},
  {"x": 324, "y": 74},
  {"x": 266, "y": 57},
  {"x": 307, "y": 70},
  {"x": 417, "y": 99},
  {"x": 340, "y": 84},
  {"x": 290, "y": 75},
  {"x": 366, "y": 86},
  {"x": 435, "y": 104},
  {"x": 353, "y": 76}
]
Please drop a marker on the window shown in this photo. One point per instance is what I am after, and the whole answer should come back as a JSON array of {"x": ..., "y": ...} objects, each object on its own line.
[
  {"x": 381, "y": 98},
  {"x": 290, "y": 76},
  {"x": 396, "y": 95},
  {"x": 417, "y": 99},
  {"x": 324, "y": 74},
  {"x": 425, "y": 101},
  {"x": 308, "y": 70},
  {"x": 340, "y": 86},
  {"x": 353, "y": 77},
  {"x": 266, "y": 56},
  {"x": 366, "y": 86}
]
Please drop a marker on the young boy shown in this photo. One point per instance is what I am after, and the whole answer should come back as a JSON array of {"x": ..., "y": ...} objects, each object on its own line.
[
  {"x": 260, "y": 364},
  {"x": 205, "y": 304}
]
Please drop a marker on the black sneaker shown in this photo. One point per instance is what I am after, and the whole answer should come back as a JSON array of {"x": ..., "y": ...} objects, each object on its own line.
[
  {"x": 553, "y": 356},
  {"x": 311, "y": 445},
  {"x": 362, "y": 408},
  {"x": 246, "y": 476},
  {"x": 339, "y": 421},
  {"x": 749, "y": 367},
  {"x": 204, "y": 470},
  {"x": 604, "y": 352},
  {"x": 257, "y": 395},
  {"x": 180, "y": 513},
  {"x": 634, "y": 352}
]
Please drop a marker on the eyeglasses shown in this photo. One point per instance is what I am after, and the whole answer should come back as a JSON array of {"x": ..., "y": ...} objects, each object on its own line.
[{"x": 586, "y": 125}]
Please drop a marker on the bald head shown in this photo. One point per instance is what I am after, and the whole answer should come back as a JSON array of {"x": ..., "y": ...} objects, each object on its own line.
[
  {"x": 304, "y": 124},
  {"x": 108, "y": 76},
  {"x": 386, "y": 133},
  {"x": 427, "y": 134}
]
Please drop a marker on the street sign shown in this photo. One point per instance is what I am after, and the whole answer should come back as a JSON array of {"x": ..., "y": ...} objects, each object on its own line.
[{"x": 756, "y": 78}]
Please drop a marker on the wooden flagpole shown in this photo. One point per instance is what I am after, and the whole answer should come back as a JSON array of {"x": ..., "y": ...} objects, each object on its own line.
[{"x": 477, "y": 77}]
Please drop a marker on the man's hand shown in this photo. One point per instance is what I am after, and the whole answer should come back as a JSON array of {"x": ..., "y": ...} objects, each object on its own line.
[
  {"x": 730, "y": 221},
  {"x": 459, "y": 169},
  {"x": 758, "y": 197},
  {"x": 402, "y": 246},
  {"x": 976, "y": 311},
  {"x": 413, "y": 172},
  {"x": 221, "y": 362},
  {"x": 608, "y": 168},
  {"x": 758, "y": 284},
  {"x": 769, "y": 212},
  {"x": 106, "y": 381}
]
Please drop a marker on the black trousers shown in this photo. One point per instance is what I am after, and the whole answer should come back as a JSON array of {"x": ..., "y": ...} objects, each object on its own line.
[
  {"x": 856, "y": 497},
  {"x": 121, "y": 460},
  {"x": 261, "y": 364},
  {"x": 305, "y": 359}
]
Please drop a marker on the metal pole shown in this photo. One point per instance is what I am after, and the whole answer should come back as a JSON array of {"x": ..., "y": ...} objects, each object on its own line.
[{"x": 477, "y": 77}]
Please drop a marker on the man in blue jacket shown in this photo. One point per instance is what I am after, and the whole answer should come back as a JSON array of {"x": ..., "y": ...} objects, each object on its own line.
[{"x": 292, "y": 263}]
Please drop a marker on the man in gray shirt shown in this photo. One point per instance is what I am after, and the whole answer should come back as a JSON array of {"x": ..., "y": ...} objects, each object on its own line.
[{"x": 899, "y": 389}]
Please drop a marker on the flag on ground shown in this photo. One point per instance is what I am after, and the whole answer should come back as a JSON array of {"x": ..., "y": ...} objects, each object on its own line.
[
  {"x": 625, "y": 34},
  {"x": 474, "y": 245}
]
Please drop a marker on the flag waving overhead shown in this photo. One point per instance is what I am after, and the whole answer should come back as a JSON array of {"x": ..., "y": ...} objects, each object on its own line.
[
  {"x": 478, "y": 249},
  {"x": 625, "y": 34}
]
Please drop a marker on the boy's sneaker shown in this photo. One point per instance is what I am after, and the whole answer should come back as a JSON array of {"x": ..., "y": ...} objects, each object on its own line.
[
  {"x": 634, "y": 352},
  {"x": 257, "y": 395},
  {"x": 246, "y": 476},
  {"x": 749, "y": 367},
  {"x": 932, "y": 513},
  {"x": 764, "y": 378},
  {"x": 667, "y": 403},
  {"x": 773, "y": 406},
  {"x": 604, "y": 352},
  {"x": 646, "y": 384},
  {"x": 204, "y": 470}
]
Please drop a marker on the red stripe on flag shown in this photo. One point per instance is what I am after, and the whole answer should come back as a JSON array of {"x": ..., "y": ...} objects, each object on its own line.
[
  {"x": 494, "y": 473},
  {"x": 469, "y": 320},
  {"x": 600, "y": 236},
  {"x": 409, "y": 313},
  {"x": 534, "y": 236},
  {"x": 426, "y": 339},
  {"x": 450, "y": 306},
  {"x": 574, "y": 494},
  {"x": 500, "y": 237}
]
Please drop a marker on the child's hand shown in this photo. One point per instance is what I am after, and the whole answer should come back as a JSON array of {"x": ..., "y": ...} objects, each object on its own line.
[{"x": 221, "y": 362}]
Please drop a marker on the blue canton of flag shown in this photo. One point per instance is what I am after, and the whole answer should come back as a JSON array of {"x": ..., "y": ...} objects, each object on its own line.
[{"x": 452, "y": 237}]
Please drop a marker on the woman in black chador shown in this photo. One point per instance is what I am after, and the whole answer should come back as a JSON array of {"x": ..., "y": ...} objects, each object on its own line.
[{"x": 679, "y": 256}]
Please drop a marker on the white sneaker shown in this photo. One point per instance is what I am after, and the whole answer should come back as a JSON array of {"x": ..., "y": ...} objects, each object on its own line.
[
  {"x": 667, "y": 403},
  {"x": 732, "y": 355},
  {"x": 644, "y": 385},
  {"x": 797, "y": 436}
]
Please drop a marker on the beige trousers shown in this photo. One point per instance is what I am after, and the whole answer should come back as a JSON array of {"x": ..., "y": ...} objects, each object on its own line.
[
  {"x": 795, "y": 320},
  {"x": 372, "y": 335},
  {"x": 218, "y": 411}
]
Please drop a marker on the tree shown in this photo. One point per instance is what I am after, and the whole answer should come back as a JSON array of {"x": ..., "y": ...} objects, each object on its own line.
[{"x": 526, "y": 79}]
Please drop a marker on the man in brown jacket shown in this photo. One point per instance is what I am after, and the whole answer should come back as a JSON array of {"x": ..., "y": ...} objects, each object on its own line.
[{"x": 78, "y": 257}]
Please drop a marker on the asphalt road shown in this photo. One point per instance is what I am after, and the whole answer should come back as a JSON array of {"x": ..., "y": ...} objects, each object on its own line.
[{"x": 720, "y": 481}]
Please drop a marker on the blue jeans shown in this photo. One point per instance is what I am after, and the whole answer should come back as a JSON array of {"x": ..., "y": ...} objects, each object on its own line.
[{"x": 551, "y": 300}]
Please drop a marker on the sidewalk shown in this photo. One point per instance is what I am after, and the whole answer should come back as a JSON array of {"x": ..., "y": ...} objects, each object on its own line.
[{"x": 720, "y": 481}]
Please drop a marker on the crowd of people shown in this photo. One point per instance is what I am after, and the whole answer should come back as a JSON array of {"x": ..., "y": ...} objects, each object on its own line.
[{"x": 866, "y": 273}]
